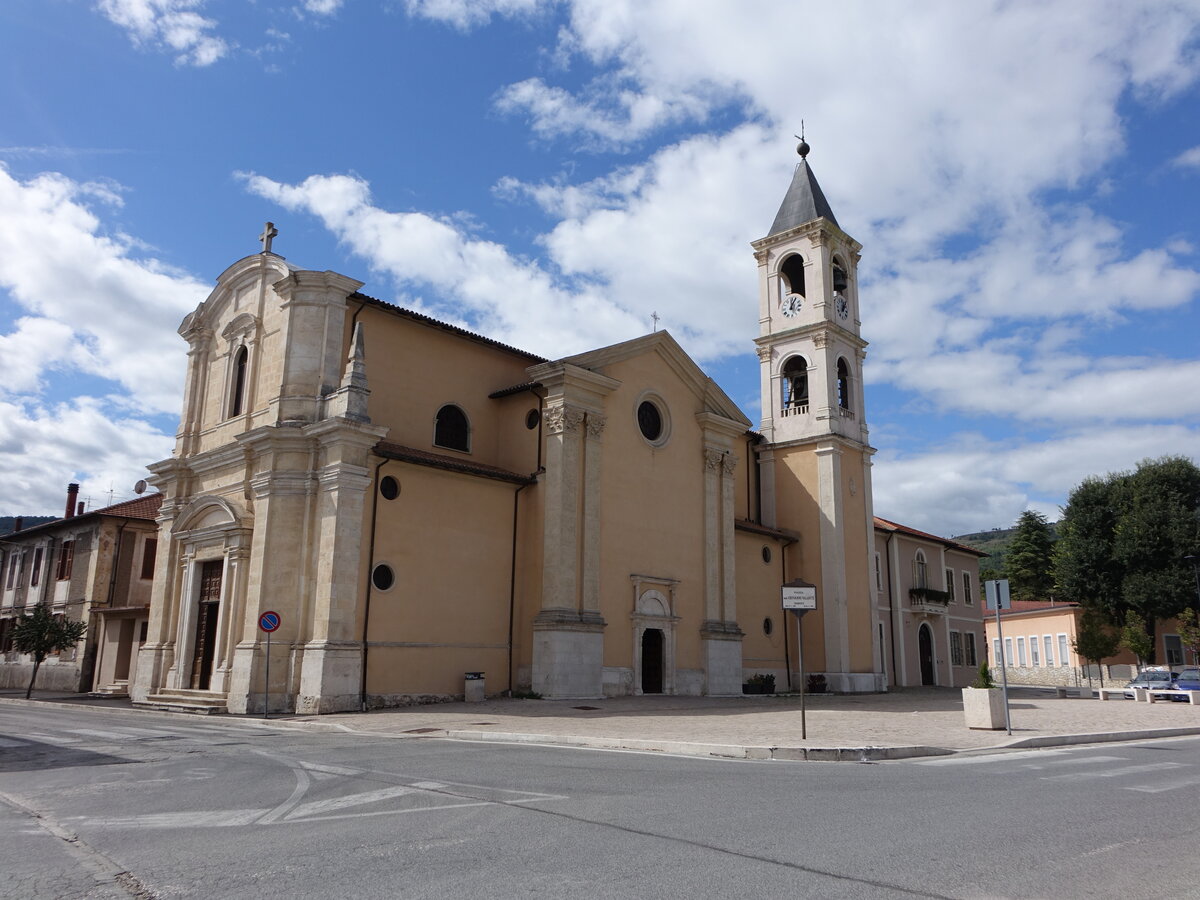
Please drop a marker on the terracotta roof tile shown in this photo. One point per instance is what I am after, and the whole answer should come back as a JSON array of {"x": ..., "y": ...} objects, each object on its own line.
[{"x": 885, "y": 525}]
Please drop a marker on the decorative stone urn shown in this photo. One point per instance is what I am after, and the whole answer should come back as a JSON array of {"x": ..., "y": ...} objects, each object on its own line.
[{"x": 983, "y": 708}]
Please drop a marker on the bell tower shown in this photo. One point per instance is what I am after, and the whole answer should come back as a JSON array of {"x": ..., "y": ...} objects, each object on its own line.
[
  {"x": 815, "y": 464},
  {"x": 809, "y": 346}
]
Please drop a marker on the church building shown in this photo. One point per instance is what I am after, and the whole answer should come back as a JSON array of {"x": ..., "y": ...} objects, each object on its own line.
[{"x": 416, "y": 502}]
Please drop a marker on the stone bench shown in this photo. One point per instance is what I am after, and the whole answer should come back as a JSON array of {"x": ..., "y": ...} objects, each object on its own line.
[
  {"x": 1193, "y": 697},
  {"x": 1110, "y": 693}
]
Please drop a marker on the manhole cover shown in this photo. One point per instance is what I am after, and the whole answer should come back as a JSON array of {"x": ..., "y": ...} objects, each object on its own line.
[
  {"x": 422, "y": 730},
  {"x": 586, "y": 707}
]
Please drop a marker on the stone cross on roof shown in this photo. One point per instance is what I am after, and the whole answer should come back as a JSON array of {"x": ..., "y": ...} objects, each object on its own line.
[{"x": 269, "y": 233}]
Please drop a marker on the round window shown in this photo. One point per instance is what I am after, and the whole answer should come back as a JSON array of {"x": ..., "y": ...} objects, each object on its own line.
[
  {"x": 383, "y": 577},
  {"x": 532, "y": 419},
  {"x": 768, "y": 626},
  {"x": 389, "y": 487},
  {"x": 766, "y": 553},
  {"x": 650, "y": 421}
]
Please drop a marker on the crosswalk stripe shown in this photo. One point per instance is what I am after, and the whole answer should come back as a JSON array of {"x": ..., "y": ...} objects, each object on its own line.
[
  {"x": 1114, "y": 773},
  {"x": 105, "y": 735},
  {"x": 989, "y": 758},
  {"x": 1080, "y": 761}
]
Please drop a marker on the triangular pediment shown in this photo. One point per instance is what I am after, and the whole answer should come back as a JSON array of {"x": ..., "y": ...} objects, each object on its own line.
[{"x": 660, "y": 343}]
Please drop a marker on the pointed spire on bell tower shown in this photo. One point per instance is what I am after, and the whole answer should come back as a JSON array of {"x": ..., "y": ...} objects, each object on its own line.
[{"x": 804, "y": 200}]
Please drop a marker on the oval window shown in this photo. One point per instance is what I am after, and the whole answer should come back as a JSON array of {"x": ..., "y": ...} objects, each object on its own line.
[
  {"x": 383, "y": 577},
  {"x": 532, "y": 419},
  {"x": 768, "y": 626},
  {"x": 650, "y": 421},
  {"x": 766, "y": 553},
  {"x": 389, "y": 487}
]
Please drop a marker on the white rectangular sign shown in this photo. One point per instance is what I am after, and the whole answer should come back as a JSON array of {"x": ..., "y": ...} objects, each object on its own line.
[
  {"x": 997, "y": 590},
  {"x": 799, "y": 598}
]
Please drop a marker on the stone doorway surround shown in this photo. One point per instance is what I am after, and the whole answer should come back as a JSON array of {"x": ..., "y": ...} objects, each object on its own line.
[{"x": 654, "y": 608}]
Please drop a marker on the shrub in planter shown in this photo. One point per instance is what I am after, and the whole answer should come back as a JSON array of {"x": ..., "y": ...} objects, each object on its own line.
[
  {"x": 759, "y": 684},
  {"x": 816, "y": 684},
  {"x": 983, "y": 702}
]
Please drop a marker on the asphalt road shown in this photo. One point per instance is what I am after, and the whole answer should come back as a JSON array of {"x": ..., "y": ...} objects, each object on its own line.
[{"x": 97, "y": 803}]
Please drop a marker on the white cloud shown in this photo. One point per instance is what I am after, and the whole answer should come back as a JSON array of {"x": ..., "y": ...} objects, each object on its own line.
[
  {"x": 465, "y": 14},
  {"x": 971, "y": 483},
  {"x": 1188, "y": 159},
  {"x": 171, "y": 24},
  {"x": 474, "y": 282},
  {"x": 321, "y": 7},
  {"x": 42, "y": 449},
  {"x": 91, "y": 307}
]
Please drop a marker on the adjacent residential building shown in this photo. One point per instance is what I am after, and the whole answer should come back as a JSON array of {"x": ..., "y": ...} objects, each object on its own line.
[
  {"x": 96, "y": 566},
  {"x": 928, "y": 605},
  {"x": 1039, "y": 646}
]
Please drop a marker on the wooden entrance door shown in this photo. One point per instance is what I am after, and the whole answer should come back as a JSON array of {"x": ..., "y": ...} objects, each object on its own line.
[
  {"x": 925, "y": 648},
  {"x": 652, "y": 661},
  {"x": 206, "y": 624}
]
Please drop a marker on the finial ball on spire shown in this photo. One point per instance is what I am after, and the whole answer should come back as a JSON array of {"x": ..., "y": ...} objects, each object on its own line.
[{"x": 802, "y": 148}]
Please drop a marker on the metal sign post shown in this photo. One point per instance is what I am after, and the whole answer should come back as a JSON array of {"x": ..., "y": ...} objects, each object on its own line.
[
  {"x": 800, "y": 597},
  {"x": 268, "y": 622},
  {"x": 997, "y": 599}
]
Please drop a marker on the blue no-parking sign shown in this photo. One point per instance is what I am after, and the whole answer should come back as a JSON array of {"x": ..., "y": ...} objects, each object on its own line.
[{"x": 269, "y": 621}]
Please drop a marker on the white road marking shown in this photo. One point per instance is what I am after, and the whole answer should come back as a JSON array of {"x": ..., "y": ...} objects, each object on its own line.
[
  {"x": 1081, "y": 761},
  {"x": 1114, "y": 773},
  {"x": 989, "y": 758},
  {"x": 104, "y": 735},
  {"x": 1166, "y": 785},
  {"x": 336, "y": 803},
  {"x": 53, "y": 738}
]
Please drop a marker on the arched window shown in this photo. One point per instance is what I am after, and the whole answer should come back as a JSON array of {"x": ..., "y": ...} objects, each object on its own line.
[
  {"x": 795, "y": 386},
  {"x": 791, "y": 276},
  {"x": 237, "y": 397},
  {"x": 920, "y": 570},
  {"x": 451, "y": 429},
  {"x": 843, "y": 384}
]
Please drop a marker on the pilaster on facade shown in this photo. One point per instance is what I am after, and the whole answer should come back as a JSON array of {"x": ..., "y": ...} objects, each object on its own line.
[{"x": 833, "y": 557}]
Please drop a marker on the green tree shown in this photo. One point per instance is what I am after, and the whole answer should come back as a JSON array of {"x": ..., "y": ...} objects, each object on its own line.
[
  {"x": 1123, "y": 539},
  {"x": 1029, "y": 562},
  {"x": 1085, "y": 570},
  {"x": 39, "y": 633},
  {"x": 1189, "y": 633},
  {"x": 1095, "y": 640},
  {"x": 1136, "y": 639}
]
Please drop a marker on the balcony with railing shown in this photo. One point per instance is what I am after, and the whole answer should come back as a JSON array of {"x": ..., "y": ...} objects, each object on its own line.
[
  {"x": 795, "y": 408},
  {"x": 928, "y": 600}
]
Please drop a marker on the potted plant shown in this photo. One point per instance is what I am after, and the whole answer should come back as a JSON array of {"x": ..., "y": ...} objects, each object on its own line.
[
  {"x": 983, "y": 702},
  {"x": 759, "y": 684},
  {"x": 816, "y": 683}
]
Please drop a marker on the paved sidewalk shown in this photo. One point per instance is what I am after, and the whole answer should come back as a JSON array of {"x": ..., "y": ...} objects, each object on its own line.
[{"x": 902, "y": 723}]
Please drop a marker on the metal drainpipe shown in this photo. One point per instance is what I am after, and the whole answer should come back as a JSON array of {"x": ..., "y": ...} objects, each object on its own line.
[
  {"x": 362, "y": 687},
  {"x": 891, "y": 611},
  {"x": 112, "y": 581},
  {"x": 512, "y": 583},
  {"x": 787, "y": 655}
]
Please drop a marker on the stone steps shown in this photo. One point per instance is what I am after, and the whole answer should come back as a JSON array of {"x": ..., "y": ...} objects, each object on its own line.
[{"x": 198, "y": 702}]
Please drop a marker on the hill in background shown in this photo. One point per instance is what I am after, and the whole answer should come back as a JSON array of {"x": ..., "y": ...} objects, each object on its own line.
[
  {"x": 7, "y": 522},
  {"x": 995, "y": 543}
]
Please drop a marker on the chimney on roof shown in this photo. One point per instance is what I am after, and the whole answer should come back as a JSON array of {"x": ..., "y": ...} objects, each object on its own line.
[
  {"x": 72, "y": 493},
  {"x": 18, "y": 523},
  {"x": 79, "y": 508}
]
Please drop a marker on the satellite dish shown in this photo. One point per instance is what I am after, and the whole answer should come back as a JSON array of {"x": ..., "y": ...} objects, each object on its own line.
[{"x": 140, "y": 487}]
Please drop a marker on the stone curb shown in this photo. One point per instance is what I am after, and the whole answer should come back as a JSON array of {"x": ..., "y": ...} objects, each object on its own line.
[{"x": 679, "y": 748}]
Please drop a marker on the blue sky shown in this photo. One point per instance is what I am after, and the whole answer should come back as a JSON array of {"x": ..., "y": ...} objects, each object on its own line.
[{"x": 1024, "y": 176}]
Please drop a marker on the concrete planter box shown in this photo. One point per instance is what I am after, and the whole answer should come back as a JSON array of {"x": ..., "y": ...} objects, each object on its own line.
[{"x": 983, "y": 708}]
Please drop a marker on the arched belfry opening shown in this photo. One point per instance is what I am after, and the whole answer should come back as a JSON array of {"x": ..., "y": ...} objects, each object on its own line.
[
  {"x": 840, "y": 280},
  {"x": 843, "y": 384},
  {"x": 791, "y": 276},
  {"x": 794, "y": 379}
]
